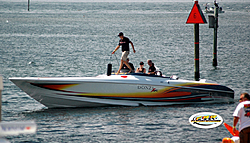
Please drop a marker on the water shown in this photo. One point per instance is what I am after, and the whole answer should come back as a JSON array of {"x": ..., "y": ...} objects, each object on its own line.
[{"x": 76, "y": 39}]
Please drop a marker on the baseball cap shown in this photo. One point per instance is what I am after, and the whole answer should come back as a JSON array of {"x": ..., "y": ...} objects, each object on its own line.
[{"x": 120, "y": 34}]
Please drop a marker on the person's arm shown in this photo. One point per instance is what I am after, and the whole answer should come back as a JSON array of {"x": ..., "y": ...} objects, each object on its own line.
[
  {"x": 132, "y": 46},
  {"x": 137, "y": 70},
  {"x": 151, "y": 73},
  {"x": 116, "y": 49},
  {"x": 236, "y": 119},
  {"x": 144, "y": 71},
  {"x": 152, "y": 70}
]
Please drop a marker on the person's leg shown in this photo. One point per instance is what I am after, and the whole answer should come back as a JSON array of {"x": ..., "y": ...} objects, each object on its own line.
[
  {"x": 248, "y": 134},
  {"x": 126, "y": 63},
  {"x": 124, "y": 58},
  {"x": 120, "y": 67},
  {"x": 241, "y": 135},
  {"x": 244, "y": 135}
]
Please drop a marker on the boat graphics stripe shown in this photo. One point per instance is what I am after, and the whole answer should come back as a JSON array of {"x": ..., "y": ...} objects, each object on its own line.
[
  {"x": 134, "y": 98},
  {"x": 197, "y": 98},
  {"x": 56, "y": 87},
  {"x": 203, "y": 86},
  {"x": 167, "y": 92}
]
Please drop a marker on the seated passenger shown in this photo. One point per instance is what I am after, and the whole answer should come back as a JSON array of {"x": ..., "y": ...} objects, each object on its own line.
[
  {"x": 141, "y": 69},
  {"x": 131, "y": 65},
  {"x": 151, "y": 69}
]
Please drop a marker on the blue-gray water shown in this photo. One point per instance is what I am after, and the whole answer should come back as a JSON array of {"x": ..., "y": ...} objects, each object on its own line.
[{"x": 76, "y": 39}]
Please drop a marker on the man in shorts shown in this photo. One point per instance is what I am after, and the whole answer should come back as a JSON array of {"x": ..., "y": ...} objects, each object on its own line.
[
  {"x": 242, "y": 113},
  {"x": 124, "y": 42}
]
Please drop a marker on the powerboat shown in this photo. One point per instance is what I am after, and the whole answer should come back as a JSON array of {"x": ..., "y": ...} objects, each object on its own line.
[
  {"x": 210, "y": 9},
  {"x": 125, "y": 89}
]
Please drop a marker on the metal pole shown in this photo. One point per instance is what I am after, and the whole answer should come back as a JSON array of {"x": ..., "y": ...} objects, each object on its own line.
[
  {"x": 1, "y": 88},
  {"x": 215, "y": 34},
  {"x": 196, "y": 52},
  {"x": 28, "y": 5}
]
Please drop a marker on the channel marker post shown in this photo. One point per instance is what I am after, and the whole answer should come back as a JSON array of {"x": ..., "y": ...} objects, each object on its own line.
[{"x": 196, "y": 17}]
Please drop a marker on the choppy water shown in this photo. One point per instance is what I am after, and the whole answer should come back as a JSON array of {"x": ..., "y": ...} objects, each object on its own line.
[{"x": 76, "y": 39}]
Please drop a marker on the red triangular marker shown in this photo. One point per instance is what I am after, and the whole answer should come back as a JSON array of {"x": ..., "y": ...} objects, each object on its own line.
[
  {"x": 196, "y": 16},
  {"x": 230, "y": 129}
]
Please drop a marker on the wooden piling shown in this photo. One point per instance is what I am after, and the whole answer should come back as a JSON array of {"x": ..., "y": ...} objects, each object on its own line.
[
  {"x": 215, "y": 35},
  {"x": 28, "y": 5}
]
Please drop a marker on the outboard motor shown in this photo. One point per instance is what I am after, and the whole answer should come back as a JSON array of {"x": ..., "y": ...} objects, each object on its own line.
[{"x": 109, "y": 69}]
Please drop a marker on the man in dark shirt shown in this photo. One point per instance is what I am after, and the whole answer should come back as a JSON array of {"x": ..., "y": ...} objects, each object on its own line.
[
  {"x": 124, "y": 42},
  {"x": 131, "y": 65},
  {"x": 151, "y": 69}
]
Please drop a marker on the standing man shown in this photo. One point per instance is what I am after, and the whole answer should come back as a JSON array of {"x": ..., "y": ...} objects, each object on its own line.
[
  {"x": 124, "y": 41},
  {"x": 242, "y": 112}
]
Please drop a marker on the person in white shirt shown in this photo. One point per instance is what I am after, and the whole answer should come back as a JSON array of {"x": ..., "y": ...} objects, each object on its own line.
[{"x": 242, "y": 113}]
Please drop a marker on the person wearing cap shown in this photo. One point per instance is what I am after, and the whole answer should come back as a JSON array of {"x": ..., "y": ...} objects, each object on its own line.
[
  {"x": 242, "y": 113},
  {"x": 124, "y": 42},
  {"x": 131, "y": 65},
  {"x": 141, "y": 69}
]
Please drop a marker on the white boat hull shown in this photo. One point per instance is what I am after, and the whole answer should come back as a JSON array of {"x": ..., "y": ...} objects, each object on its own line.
[{"x": 123, "y": 90}]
